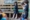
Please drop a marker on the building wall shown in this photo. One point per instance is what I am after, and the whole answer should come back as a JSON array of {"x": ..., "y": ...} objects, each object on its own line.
[
  {"x": 2, "y": 5},
  {"x": 1, "y": 2}
]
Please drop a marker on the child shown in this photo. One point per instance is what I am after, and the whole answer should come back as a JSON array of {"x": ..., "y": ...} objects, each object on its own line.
[
  {"x": 16, "y": 10},
  {"x": 4, "y": 16}
]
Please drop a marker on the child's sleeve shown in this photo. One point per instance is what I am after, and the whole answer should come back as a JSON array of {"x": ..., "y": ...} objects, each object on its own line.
[{"x": 3, "y": 18}]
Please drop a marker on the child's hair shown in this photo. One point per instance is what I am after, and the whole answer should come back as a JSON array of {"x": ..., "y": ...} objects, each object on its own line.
[
  {"x": 3, "y": 14},
  {"x": 23, "y": 3},
  {"x": 16, "y": 3}
]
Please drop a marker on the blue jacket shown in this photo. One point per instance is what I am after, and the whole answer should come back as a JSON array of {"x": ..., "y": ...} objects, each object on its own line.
[{"x": 3, "y": 18}]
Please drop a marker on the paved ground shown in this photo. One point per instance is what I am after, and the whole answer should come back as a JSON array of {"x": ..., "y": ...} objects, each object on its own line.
[{"x": 14, "y": 19}]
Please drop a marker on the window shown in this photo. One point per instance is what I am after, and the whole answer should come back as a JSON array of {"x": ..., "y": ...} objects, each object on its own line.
[{"x": 9, "y": 1}]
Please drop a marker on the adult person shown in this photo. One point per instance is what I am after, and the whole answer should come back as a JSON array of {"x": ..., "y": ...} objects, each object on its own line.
[
  {"x": 25, "y": 16},
  {"x": 26, "y": 10},
  {"x": 0, "y": 14},
  {"x": 16, "y": 10},
  {"x": 23, "y": 6}
]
